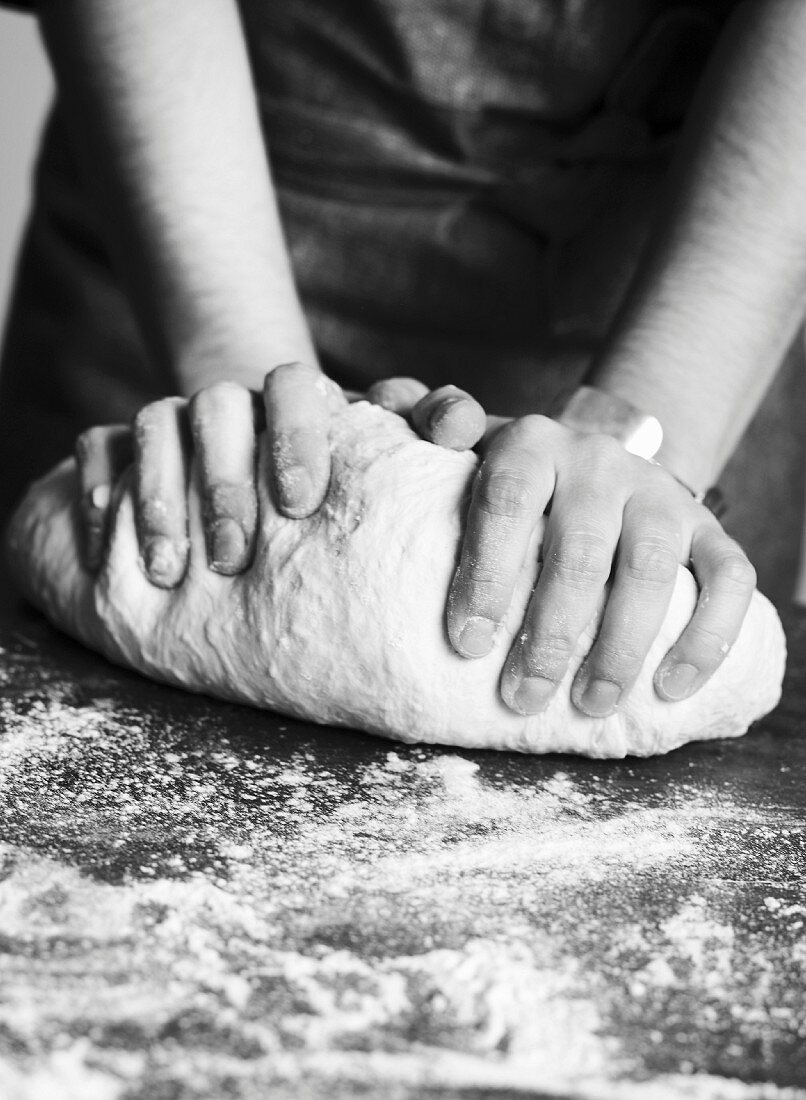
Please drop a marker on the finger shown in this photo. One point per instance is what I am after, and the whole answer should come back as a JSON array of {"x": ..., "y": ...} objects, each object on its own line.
[
  {"x": 581, "y": 538},
  {"x": 510, "y": 494},
  {"x": 337, "y": 398},
  {"x": 727, "y": 581},
  {"x": 647, "y": 562},
  {"x": 222, "y": 423},
  {"x": 160, "y": 438},
  {"x": 102, "y": 454},
  {"x": 450, "y": 418},
  {"x": 398, "y": 395},
  {"x": 297, "y": 400}
]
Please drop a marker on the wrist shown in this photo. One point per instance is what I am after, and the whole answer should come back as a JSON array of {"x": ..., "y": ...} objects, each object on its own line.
[
  {"x": 204, "y": 363},
  {"x": 593, "y": 410},
  {"x": 693, "y": 447},
  {"x": 590, "y": 409}
]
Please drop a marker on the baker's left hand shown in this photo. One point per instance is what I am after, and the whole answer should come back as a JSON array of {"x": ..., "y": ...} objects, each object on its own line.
[
  {"x": 613, "y": 517},
  {"x": 218, "y": 425}
]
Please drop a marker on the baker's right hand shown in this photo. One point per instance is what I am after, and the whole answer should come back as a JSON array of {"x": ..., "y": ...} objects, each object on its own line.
[{"x": 220, "y": 424}]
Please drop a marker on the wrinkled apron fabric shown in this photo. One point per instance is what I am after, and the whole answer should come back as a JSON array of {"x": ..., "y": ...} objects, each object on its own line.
[{"x": 464, "y": 186}]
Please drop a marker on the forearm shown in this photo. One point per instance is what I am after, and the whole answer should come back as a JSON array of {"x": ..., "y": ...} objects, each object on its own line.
[
  {"x": 721, "y": 291},
  {"x": 165, "y": 123}
]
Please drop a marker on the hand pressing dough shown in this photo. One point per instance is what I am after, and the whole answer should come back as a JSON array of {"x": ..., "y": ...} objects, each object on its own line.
[{"x": 341, "y": 619}]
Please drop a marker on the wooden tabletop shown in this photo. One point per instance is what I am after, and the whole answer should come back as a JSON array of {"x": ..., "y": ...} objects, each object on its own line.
[{"x": 200, "y": 900}]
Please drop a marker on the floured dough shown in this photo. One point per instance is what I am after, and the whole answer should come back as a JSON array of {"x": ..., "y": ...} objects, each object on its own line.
[{"x": 342, "y": 617}]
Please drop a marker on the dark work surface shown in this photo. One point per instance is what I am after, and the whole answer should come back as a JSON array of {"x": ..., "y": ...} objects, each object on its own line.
[{"x": 203, "y": 900}]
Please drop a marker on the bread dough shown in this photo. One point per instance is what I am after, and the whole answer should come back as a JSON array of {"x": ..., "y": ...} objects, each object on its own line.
[{"x": 341, "y": 619}]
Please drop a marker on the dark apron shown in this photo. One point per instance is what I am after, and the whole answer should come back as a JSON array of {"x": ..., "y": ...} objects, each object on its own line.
[{"x": 466, "y": 184}]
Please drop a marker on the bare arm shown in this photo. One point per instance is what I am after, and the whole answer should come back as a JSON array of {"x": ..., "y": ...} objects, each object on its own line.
[
  {"x": 723, "y": 288},
  {"x": 164, "y": 117}
]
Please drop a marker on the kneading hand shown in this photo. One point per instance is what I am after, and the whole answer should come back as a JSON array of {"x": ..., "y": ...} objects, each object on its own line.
[
  {"x": 612, "y": 516},
  {"x": 220, "y": 423}
]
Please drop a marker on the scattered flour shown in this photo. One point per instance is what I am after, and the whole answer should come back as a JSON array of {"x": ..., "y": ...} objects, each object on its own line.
[{"x": 186, "y": 917}]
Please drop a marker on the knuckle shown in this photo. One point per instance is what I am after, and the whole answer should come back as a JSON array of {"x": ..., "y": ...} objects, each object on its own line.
[
  {"x": 485, "y": 585},
  {"x": 153, "y": 416},
  {"x": 706, "y": 648},
  {"x": 527, "y": 431},
  {"x": 393, "y": 393},
  {"x": 602, "y": 451},
  {"x": 144, "y": 420},
  {"x": 507, "y": 493},
  {"x": 651, "y": 562},
  {"x": 580, "y": 559},
  {"x": 548, "y": 655},
  {"x": 735, "y": 571},
  {"x": 306, "y": 446},
  {"x": 447, "y": 393},
  {"x": 295, "y": 373},
  {"x": 229, "y": 499},
  {"x": 226, "y": 388},
  {"x": 283, "y": 370},
  {"x": 617, "y": 659},
  {"x": 219, "y": 393},
  {"x": 89, "y": 442}
]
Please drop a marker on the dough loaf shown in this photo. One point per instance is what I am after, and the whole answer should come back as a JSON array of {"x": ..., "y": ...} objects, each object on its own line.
[{"x": 341, "y": 619}]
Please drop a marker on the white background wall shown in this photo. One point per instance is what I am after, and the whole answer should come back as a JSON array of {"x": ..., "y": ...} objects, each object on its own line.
[{"x": 25, "y": 89}]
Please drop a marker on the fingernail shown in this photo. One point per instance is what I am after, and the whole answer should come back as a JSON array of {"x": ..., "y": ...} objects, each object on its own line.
[
  {"x": 477, "y": 637},
  {"x": 163, "y": 561},
  {"x": 441, "y": 410},
  {"x": 295, "y": 490},
  {"x": 677, "y": 681},
  {"x": 600, "y": 698},
  {"x": 227, "y": 546},
  {"x": 532, "y": 694}
]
